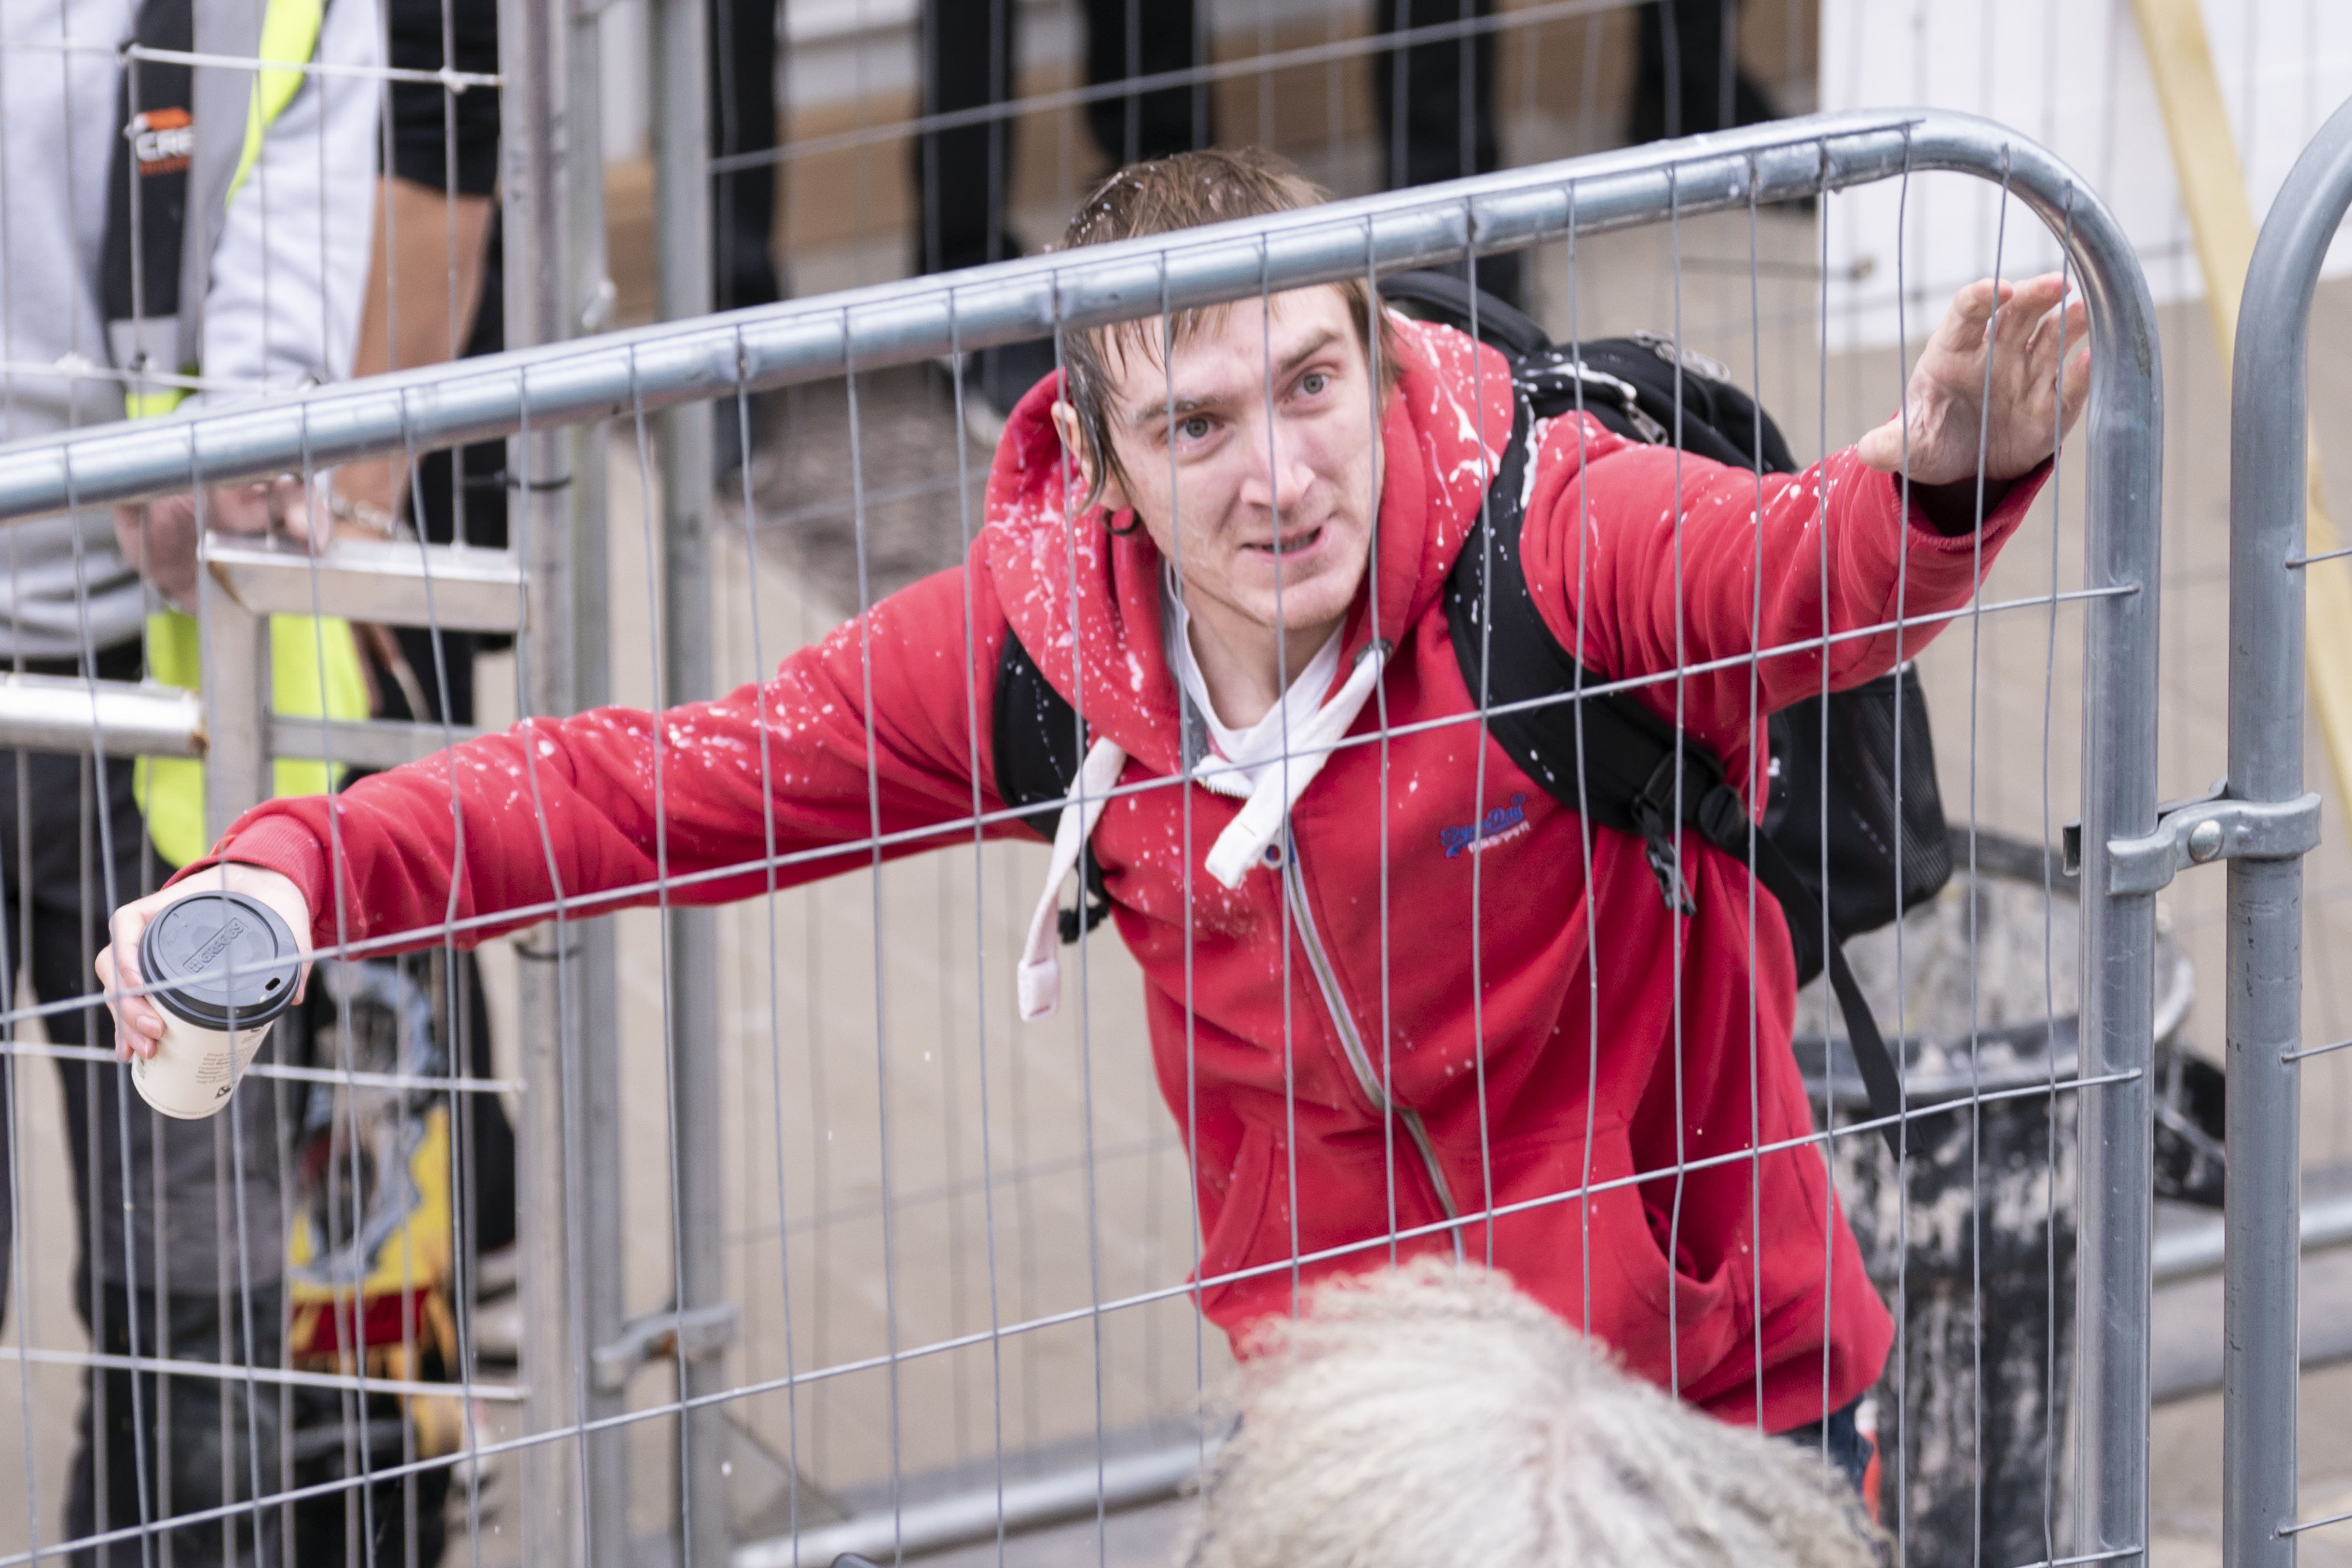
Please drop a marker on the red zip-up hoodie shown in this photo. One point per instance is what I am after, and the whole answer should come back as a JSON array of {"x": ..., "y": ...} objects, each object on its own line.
[{"x": 1476, "y": 1027}]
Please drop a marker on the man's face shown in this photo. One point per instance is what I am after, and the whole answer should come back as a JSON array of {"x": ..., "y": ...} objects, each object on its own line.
[{"x": 1269, "y": 415}]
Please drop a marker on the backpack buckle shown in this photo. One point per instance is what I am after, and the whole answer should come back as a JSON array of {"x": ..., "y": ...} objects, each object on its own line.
[
  {"x": 1693, "y": 362},
  {"x": 1652, "y": 815},
  {"x": 1666, "y": 865},
  {"x": 1649, "y": 429},
  {"x": 1665, "y": 857}
]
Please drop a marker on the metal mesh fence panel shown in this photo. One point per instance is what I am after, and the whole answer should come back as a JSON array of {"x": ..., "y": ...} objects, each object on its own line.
[{"x": 822, "y": 1248}]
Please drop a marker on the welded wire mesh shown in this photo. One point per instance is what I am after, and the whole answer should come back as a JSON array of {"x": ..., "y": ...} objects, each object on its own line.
[
  {"x": 2277, "y": 71},
  {"x": 955, "y": 1245},
  {"x": 190, "y": 195}
]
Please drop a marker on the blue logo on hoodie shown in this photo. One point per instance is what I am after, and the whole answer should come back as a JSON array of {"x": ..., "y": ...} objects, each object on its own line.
[{"x": 1503, "y": 821}]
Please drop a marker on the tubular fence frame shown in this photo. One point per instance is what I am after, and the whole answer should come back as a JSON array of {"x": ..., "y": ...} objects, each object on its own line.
[
  {"x": 2269, "y": 494},
  {"x": 532, "y": 392}
]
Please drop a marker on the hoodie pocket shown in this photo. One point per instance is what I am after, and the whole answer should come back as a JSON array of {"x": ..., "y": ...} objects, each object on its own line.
[
  {"x": 1677, "y": 1309},
  {"x": 1227, "y": 1245}
]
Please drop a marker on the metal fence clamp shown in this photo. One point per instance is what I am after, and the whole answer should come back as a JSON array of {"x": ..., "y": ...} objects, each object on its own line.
[
  {"x": 2201, "y": 832},
  {"x": 699, "y": 1334}
]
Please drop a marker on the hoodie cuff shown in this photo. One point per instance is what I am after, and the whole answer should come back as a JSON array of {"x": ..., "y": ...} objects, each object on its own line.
[
  {"x": 2003, "y": 512},
  {"x": 278, "y": 844}
]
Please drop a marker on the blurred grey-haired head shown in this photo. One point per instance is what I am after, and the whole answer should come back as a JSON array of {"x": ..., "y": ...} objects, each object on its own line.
[{"x": 1434, "y": 1416}]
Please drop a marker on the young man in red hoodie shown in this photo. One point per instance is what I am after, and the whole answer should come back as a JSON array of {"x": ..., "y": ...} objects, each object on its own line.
[{"x": 1227, "y": 557}]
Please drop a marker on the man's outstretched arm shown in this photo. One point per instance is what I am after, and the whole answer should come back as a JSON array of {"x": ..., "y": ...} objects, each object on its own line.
[
  {"x": 1677, "y": 560},
  {"x": 610, "y": 801}
]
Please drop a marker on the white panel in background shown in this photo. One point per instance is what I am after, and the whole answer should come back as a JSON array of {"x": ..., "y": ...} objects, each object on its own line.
[
  {"x": 2070, "y": 75},
  {"x": 624, "y": 53}
]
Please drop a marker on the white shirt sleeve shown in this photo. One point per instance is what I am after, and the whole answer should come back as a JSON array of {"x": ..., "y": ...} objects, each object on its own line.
[{"x": 291, "y": 269}]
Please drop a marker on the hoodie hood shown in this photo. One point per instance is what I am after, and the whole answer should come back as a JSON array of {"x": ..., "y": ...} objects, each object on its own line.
[{"x": 1085, "y": 601}]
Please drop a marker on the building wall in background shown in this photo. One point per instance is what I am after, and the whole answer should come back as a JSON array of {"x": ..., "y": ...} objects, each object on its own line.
[{"x": 2073, "y": 77}]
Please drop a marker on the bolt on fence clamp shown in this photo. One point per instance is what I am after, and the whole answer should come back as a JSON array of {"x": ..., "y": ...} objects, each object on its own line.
[
  {"x": 699, "y": 1333},
  {"x": 2199, "y": 832}
]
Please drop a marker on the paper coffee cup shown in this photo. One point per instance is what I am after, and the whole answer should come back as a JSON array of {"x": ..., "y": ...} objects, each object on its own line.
[{"x": 223, "y": 967}]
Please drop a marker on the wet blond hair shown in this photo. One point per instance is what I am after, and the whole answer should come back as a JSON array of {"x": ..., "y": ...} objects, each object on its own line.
[{"x": 1163, "y": 196}]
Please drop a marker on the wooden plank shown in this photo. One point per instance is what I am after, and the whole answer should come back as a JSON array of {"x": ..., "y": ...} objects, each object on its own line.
[{"x": 2221, "y": 219}]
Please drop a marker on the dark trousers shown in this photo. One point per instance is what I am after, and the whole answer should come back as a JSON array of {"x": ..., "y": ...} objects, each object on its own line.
[
  {"x": 163, "y": 1277},
  {"x": 1687, "y": 79},
  {"x": 962, "y": 175},
  {"x": 209, "y": 1441},
  {"x": 1436, "y": 107},
  {"x": 1839, "y": 1439},
  {"x": 1435, "y": 100},
  {"x": 743, "y": 120}
]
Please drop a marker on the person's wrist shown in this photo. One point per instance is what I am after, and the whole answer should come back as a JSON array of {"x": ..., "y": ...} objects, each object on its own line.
[{"x": 1952, "y": 509}]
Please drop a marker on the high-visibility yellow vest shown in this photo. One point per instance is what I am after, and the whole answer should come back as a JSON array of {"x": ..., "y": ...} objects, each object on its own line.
[
  {"x": 314, "y": 670},
  {"x": 314, "y": 661}
]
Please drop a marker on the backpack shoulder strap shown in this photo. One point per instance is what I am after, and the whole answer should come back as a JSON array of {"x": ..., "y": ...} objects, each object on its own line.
[
  {"x": 1447, "y": 298},
  {"x": 147, "y": 206},
  {"x": 1605, "y": 756},
  {"x": 1038, "y": 745},
  {"x": 1036, "y": 737},
  {"x": 1612, "y": 759}
]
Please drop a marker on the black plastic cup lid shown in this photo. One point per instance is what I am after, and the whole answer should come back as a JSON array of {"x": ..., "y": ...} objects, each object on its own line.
[{"x": 215, "y": 954}]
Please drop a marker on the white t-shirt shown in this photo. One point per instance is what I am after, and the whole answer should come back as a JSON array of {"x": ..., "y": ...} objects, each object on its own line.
[{"x": 1256, "y": 750}]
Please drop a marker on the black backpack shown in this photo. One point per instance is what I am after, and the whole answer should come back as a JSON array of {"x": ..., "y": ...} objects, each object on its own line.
[{"x": 1880, "y": 860}]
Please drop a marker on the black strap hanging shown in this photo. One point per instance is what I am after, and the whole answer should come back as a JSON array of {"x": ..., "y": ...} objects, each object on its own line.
[{"x": 147, "y": 194}]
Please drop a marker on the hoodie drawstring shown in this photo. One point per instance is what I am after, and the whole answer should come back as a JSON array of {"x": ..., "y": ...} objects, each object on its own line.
[
  {"x": 1238, "y": 848},
  {"x": 1040, "y": 977}
]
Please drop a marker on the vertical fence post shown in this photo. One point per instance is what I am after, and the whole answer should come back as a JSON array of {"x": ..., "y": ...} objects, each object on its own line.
[
  {"x": 2125, "y": 470},
  {"x": 2116, "y": 1229},
  {"x": 604, "y": 1301},
  {"x": 235, "y": 671},
  {"x": 2261, "y": 1215},
  {"x": 534, "y": 148},
  {"x": 681, "y": 75}
]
